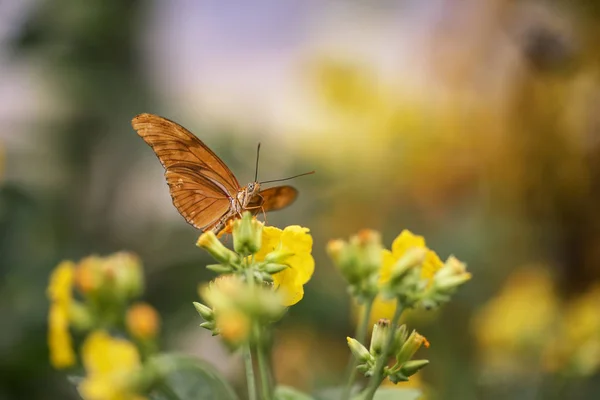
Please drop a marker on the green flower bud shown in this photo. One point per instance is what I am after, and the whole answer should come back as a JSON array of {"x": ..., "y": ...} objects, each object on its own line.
[
  {"x": 451, "y": 275},
  {"x": 360, "y": 352},
  {"x": 381, "y": 333},
  {"x": 411, "y": 259},
  {"x": 204, "y": 311},
  {"x": 363, "y": 368},
  {"x": 397, "y": 377},
  {"x": 265, "y": 276},
  {"x": 278, "y": 256},
  {"x": 247, "y": 235},
  {"x": 220, "y": 269},
  {"x": 359, "y": 260},
  {"x": 209, "y": 325},
  {"x": 209, "y": 242},
  {"x": 410, "y": 347},
  {"x": 126, "y": 268},
  {"x": 400, "y": 337},
  {"x": 80, "y": 317},
  {"x": 411, "y": 367},
  {"x": 273, "y": 268}
]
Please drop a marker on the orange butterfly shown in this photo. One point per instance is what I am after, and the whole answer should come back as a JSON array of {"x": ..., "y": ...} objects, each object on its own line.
[{"x": 203, "y": 188}]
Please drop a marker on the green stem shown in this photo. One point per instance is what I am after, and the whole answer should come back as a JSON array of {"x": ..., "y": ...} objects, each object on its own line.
[
  {"x": 265, "y": 370},
  {"x": 361, "y": 334},
  {"x": 382, "y": 360},
  {"x": 249, "y": 373}
]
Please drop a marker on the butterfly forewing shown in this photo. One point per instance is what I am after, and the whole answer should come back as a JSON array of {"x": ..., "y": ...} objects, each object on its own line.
[
  {"x": 174, "y": 145},
  {"x": 200, "y": 183}
]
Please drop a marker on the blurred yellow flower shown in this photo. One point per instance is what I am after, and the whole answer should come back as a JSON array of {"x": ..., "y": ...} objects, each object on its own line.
[
  {"x": 515, "y": 324},
  {"x": 60, "y": 294},
  {"x": 121, "y": 272},
  {"x": 405, "y": 241},
  {"x": 581, "y": 318},
  {"x": 296, "y": 241},
  {"x": 88, "y": 274},
  {"x": 110, "y": 365},
  {"x": 233, "y": 325},
  {"x": 236, "y": 305},
  {"x": 576, "y": 348},
  {"x": 142, "y": 320}
]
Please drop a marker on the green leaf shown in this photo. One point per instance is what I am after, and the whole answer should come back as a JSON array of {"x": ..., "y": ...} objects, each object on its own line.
[
  {"x": 288, "y": 393},
  {"x": 397, "y": 394},
  {"x": 190, "y": 379}
]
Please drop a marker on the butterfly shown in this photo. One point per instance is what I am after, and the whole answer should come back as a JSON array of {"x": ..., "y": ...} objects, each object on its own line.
[{"x": 203, "y": 188}]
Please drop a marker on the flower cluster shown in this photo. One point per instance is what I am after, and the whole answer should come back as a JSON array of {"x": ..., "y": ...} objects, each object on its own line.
[
  {"x": 410, "y": 275},
  {"x": 403, "y": 348},
  {"x": 264, "y": 273},
  {"x": 409, "y": 272},
  {"x": 89, "y": 299}
]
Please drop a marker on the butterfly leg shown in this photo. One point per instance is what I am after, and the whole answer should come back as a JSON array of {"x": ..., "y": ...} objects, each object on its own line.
[{"x": 261, "y": 208}]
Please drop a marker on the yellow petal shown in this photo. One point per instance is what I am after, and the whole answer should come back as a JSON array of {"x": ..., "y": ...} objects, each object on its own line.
[
  {"x": 405, "y": 240},
  {"x": 60, "y": 343},
  {"x": 271, "y": 238},
  {"x": 387, "y": 262},
  {"x": 61, "y": 282},
  {"x": 431, "y": 265},
  {"x": 103, "y": 354}
]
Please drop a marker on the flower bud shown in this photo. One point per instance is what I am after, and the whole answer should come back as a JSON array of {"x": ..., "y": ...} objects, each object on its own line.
[
  {"x": 278, "y": 256},
  {"x": 359, "y": 259},
  {"x": 411, "y": 259},
  {"x": 247, "y": 235},
  {"x": 80, "y": 316},
  {"x": 204, "y": 311},
  {"x": 88, "y": 275},
  {"x": 411, "y": 367},
  {"x": 234, "y": 326},
  {"x": 142, "y": 321},
  {"x": 210, "y": 325},
  {"x": 400, "y": 337},
  {"x": 209, "y": 242},
  {"x": 220, "y": 269},
  {"x": 129, "y": 279},
  {"x": 451, "y": 275},
  {"x": 381, "y": 333},
  {"x": 273, "y": 268},
  {"x": 411, "y": 346},
  {"x": 335, "y": 248},
  {"x": 360, "y": 352}
]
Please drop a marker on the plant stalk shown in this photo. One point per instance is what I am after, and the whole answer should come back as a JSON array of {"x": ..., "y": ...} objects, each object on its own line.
[
  {"x": 361, "y": 334},
  {"x": 249, "y": 373},
  {"x": 382, "y": 361}
]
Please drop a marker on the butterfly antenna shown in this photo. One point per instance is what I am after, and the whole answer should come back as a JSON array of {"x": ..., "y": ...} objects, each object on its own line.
[
  {"x": 256, "y": 170},
  {"x": 291, "y": 177}
]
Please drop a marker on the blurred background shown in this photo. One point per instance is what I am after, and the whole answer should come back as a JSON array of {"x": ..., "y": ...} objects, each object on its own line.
[{"x": 475, "y": 123}]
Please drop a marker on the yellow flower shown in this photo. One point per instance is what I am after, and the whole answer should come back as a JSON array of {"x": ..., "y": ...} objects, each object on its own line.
[
  {"x": 60, "y": 342},
  {"x": 110, "y": 365},
  {"x": 577, "y": 347},
  {"x": 296, "y": 241},
  {"x": 233, "y": 325},
  {"x": 142, "y": 321},
  {"x": 406, "y": 241},
  {"x": 512, "y": 329}
]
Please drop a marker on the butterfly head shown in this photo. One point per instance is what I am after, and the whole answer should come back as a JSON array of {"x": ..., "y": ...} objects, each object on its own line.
[{"x": 252, "y": 188}]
